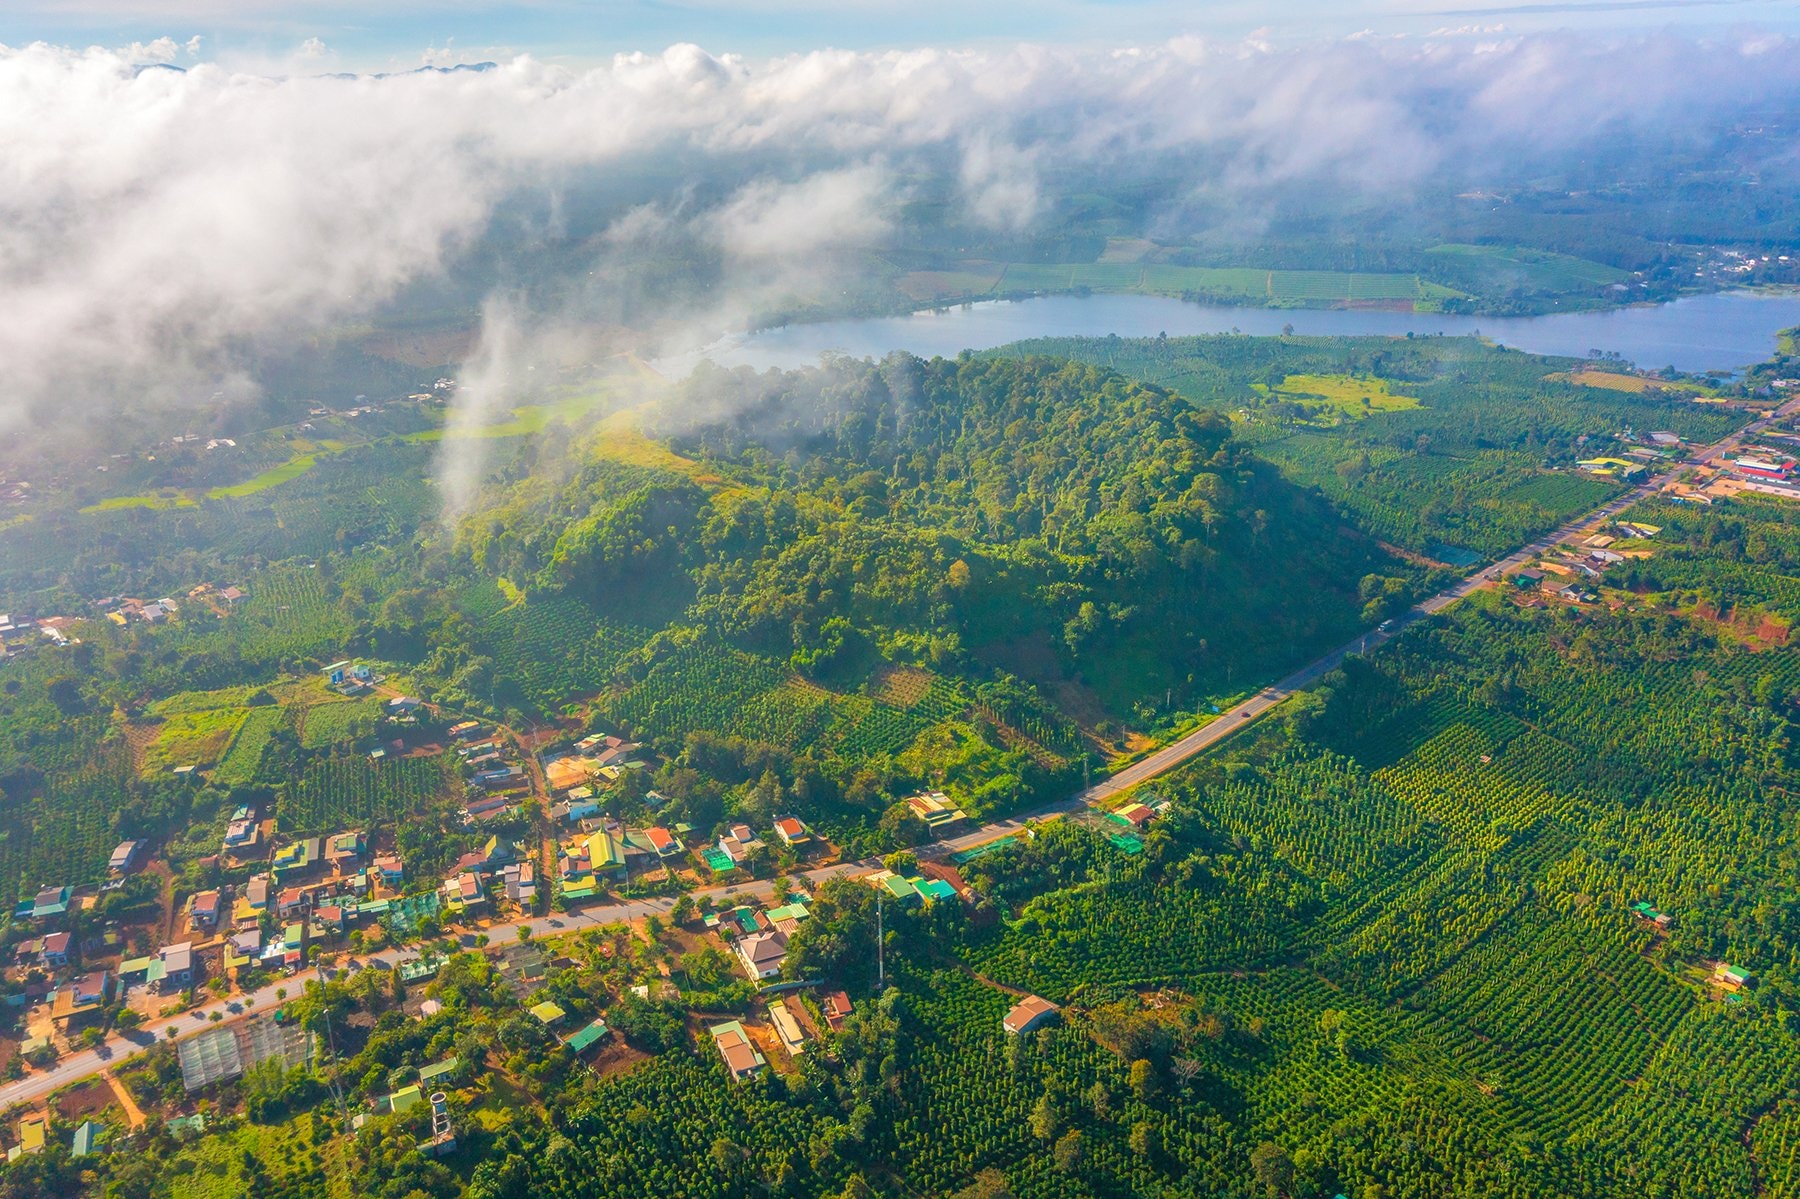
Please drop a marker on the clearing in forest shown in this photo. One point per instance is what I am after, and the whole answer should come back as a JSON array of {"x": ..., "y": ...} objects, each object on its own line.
[{"x": 1356, "y": 395}]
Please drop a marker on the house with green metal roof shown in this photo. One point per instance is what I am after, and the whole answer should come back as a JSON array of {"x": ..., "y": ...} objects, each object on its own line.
[
  {"x": 417, "y": 969},
  {"x": 787, "y": 917},
  {"x": 87, "y": 1139},
  {"x": 444, "y": 1069},
  {"x": 182, "y": 1127},
  {"x": 547, "y": 1012},
  {"x": 588, "y": 1035},
  {"x": 401, "y": 1101}
]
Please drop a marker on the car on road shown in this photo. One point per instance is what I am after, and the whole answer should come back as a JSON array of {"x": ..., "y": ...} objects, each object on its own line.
[{"x": 1386, "y": 626}]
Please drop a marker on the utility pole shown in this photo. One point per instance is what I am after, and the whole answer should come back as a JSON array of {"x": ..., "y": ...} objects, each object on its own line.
[
  {"x": 331, "y": 1042},
  {"x": 880, "y": 948}
]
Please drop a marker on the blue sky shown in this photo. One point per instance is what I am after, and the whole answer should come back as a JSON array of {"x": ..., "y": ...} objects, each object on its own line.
[{"x": 386, "y": 34}]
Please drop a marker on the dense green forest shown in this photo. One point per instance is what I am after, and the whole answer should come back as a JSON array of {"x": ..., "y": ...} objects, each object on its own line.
[{"x": 1460, "y": 449}]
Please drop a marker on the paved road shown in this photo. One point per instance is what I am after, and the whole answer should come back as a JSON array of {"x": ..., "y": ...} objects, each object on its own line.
[{"x": 81, "y": 1065}]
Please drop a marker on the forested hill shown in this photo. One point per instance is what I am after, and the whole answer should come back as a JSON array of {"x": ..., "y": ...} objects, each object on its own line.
[{"x": 1049, "y": 519}]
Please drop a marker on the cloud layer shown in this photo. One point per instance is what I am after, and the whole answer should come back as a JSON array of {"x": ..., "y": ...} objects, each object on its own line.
[{"x": 159, "y": 228}]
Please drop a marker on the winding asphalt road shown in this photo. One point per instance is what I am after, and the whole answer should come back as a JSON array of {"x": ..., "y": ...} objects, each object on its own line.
[{"x": 118, "y": 1048}]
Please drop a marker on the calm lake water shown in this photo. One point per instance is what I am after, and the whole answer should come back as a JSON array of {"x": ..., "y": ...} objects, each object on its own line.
[{"x": 1716, "y": 332}]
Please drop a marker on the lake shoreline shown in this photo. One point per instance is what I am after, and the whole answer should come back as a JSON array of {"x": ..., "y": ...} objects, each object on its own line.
[{"x": 1716, "y": 332}]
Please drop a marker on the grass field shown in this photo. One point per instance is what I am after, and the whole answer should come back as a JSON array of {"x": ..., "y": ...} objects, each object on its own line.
[
  {"x": 324, "y": 725},
  {"x": 261, "y": 1159},
  {"x": 193, "y": 739},
  {"x": 1355, "y": 395},
  {"x": 526, "y": 419},
  {"x": 1512, "y": 267},
  {"x": 1247, "y": 285},
  {"x": 293, "y": 468},
  {"x": 1620, "y": 381},
  {"x": 617, "y": 439},
  {"x": 161, "y": 499}
]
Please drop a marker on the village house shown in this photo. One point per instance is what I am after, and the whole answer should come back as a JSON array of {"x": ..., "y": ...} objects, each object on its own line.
[
  {"x": 76, "y": 1002},
  {"x": 48, "y": 903},
  {"x": 1576, "y": 592},
  {"x": 577, "y": 806},
  {"x": 242, "y": 948},
  {"x": 172, "y": 969},
  {"x": 389, "y": 869},
  {"x": 291, "y": 902},
  {"x": 662, "y": 842},
  {"x": 793, "y": 832},
  {"x": 1135, "y": 814},
  {"x": 520, "y": 881},
  {"x": 582, "y": 863},
  {"x": 56, "y": 949},
  {"x": 741, "y": 1055},
  {"x": 344, "y": 852},
  {"x": 299, "y": 859},
  {"x": 465, "y": 891},
  {"x": 793, "y": 1038},
  {"x": 836, "y": 1006},
  {"x": 125, "y": 857},
  {"x": 203, "y": 912},
  {"x": 587, "y": 1036},
  {"x": 936, "y": 809},
  {"x": 1029, "y": 1013},
  {"x": 738, "y": 842},
  {"x": 242, "y": 834},
  {"x": 252, "y": 902},
  {"x": 762, "y": 954},
  {"x": 499, "y": 779}
]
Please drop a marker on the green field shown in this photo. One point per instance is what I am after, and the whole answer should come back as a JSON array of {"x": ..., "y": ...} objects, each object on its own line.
[
  {"x": 1225, "y": 284},
  {"x": 1350, "y": 394},
  {"x": 293, "y": 468},
  {"x": 1515, "y": 268}
]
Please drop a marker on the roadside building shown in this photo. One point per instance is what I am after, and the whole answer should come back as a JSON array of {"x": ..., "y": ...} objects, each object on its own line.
[
  {"x": 792, "y": 832},
  {"x": 936, "y": 809},
  {"x": 762, "y": 954}
]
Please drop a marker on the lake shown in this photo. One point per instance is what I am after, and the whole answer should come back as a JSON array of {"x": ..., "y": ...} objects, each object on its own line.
[{"x": 1700, "y": 333}]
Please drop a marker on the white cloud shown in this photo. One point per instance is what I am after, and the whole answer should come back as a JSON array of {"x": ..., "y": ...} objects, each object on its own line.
[{"x": 154, "y": 224}]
